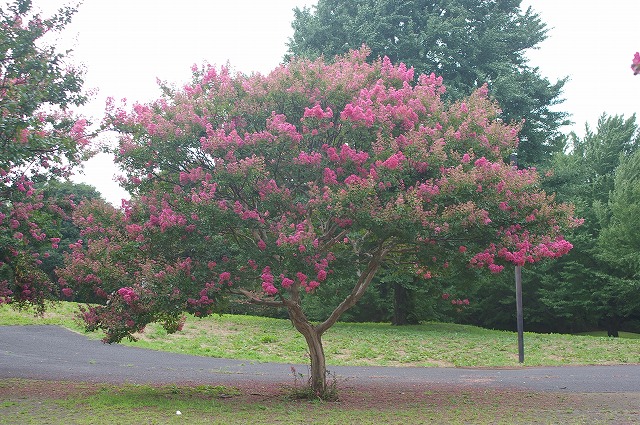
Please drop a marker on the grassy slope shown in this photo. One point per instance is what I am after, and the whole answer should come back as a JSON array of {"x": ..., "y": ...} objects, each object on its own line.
[{"x": 430, "y": 344}]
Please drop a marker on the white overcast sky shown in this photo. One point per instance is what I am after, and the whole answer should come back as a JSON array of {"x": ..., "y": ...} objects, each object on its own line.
[{"x": 125, "y": 45}]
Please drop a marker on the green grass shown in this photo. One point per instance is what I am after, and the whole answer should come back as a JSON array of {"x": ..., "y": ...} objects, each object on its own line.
[
  {"x": 61, "y": 313},
  {"x": 604, "y": 334},
  {"x": 262, "y": 339},
  {"x": 143, "y": 404}
]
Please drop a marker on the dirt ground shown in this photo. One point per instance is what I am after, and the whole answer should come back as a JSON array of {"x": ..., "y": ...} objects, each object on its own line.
[{"x": 388, "y": 396}]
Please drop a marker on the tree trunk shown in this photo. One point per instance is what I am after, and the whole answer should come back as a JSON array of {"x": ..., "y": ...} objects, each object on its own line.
[
  {"x": 403, "y": 304},
  {"x": 313, "y": 334},
  {"x": 316, "y": 353},
  {"x": 612, "y": 325},
  {"x": 318, "y": 365},
  {"x": 400, "y": 305}
]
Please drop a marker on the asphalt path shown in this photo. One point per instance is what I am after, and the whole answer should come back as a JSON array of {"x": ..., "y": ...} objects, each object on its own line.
[{"x": 55, "y": 353}]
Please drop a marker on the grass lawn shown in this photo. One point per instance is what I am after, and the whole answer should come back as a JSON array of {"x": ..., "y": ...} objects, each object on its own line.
[{"x": 264, "y": 339}]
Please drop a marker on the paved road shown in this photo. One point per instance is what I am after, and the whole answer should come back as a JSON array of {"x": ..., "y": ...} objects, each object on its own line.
[{"x": 55, "y": 353}]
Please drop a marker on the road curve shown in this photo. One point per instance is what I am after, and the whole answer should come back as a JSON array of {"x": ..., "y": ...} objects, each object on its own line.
[{"x": 55, "y": 353}]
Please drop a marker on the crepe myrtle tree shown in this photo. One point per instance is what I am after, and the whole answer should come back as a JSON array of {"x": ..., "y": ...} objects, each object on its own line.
[
  {"x": 40, "y": 139},
  {"x": 267, "y": 187}
]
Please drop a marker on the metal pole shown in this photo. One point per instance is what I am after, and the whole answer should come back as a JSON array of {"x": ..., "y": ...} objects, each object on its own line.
[
  {"x": 513, "y": 160},
  {"x": 519, "y": 314}
]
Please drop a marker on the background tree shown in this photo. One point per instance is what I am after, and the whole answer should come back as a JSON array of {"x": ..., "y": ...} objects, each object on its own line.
[
  {"x": 266, "y": 188},
  {"x": 619, "y": 238},
  {"x": 467, "y": 42},
  {"x": 65, "y": 196},
  {"x": 39, "y": 139},
  {"x": 585, "y": 289},
  {"x": 619, "y": 244}
]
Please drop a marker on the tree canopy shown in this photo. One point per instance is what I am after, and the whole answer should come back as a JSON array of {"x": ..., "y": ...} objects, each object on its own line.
[
  {"x": 467, "y": 42},
  {"x": 40, "y": 139},
  {"x": 265, "y": 188}
]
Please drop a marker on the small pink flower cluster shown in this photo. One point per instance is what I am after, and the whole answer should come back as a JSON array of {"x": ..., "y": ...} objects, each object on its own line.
[
  {"x": 318, "y": 112},
  {"x": 635, "y": 65},
  {"x": 307, "y": 285},
  {"x": 458, "y": 301},
  {"x": 267, "y": 281},
  {"x": 128, "y": 295}
]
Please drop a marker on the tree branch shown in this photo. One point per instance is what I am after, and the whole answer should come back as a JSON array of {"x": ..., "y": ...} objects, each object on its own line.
[
  {"x": 358, "y": 290},
  {"x": 254, "y": 299}
]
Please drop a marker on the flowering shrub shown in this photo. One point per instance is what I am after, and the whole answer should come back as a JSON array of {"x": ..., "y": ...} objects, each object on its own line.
[
  {"x": 267, "y": 187},
  {"x": 635, "y": 64},
  {"x": 40, "y": 139}
]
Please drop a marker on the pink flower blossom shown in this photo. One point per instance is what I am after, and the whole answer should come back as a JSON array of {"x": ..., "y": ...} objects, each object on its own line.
[
  {"x": 481, "y": 162},
  {"x": 313, "y": 158},
  {"x": 128, "y": 295},
  {"x": 55, "y": 242},
  {"x": 635, "y": 64},
  {"x": 302, "y": 278},
  {"x": 312, "y": 285},
  {"x": 329, "y": 176},
  {"x": 269, "y": 288},
  {"x": 317, "y": 112},
  {"x": 286, "y": 282},
  {"x": 394, "y": 161},
  {"x": 322, "y": 275},
  {"x": 494, "y": 268}
]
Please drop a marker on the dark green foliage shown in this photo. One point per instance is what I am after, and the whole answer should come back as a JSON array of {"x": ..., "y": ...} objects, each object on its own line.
[
  {"x": 467, "y": 42},
  {"x": 619, "y": 241},
  {"x": 620, "y": 238},
  {"x": 65, "y": 195},
  {"x": 589, "y": 288}
]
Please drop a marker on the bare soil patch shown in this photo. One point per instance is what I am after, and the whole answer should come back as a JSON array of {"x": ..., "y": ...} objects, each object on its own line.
[{"x": 379, "y": 395}]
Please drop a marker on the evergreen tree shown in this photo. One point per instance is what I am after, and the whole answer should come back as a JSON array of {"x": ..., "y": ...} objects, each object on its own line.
[
  {"x": 467, "y": 42},
  {"x": 586, "y": 289}
]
